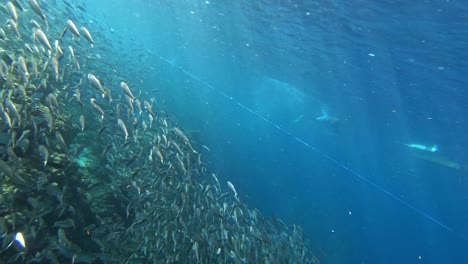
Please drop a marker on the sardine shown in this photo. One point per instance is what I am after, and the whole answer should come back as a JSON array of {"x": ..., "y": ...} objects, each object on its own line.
[
  {"x": 73, "y": 28},
  {"x": 61, "y": 141},
  {"x": 126, "y": 90},
  {"x": 12, "y": 10},
  {"x": 19, "y": 238},
  {"x": 97, "y": 107},
  {"x": 22, "y": 66},
  {"x": 72, "y": 52},
  {"x": 12, "y": 109},
  {"x": 101, "y": 130},
  {"x": 12, "y": 24},
  {"x": 37, "y": 9},
  {"x": 78, "y": 151},
  {"x": 78, "y": 97},
  {"x": 41, "y": 36},
  {"x": 67, "y": 223},
  {"x": 181, "y": 135},
  {"x": 15, "y": 2},
  {"x": 87, "y": 35},
  {"x": 123, "y": 127},
  {"x": 96, "y": 83},
  {"x": 233, "y": 189},
  {"x": 44, "y": 153},
  {"x": 82, "y": 122},
  {"x": 23, "y": 136},
  {"x": 12, "y": 156},
  {"x": 58, "y": 49}
]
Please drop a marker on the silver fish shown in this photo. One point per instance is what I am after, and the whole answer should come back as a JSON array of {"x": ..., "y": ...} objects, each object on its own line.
[
  {"x": 97, "y": 107},
  {"x": 87, "y": 35},
  {"x": 12, "y": 10},
  {"x": 15, "y": 2},
  {"x": 67, "y": 223},
  {"x": 58, "y": 49},
  {"x": 73, "y": 28},
  {"x": 41, "y": 36},
  {"x": 4, "y": 168},
  {"x": 181, "y": 134},
  {"x": 61, "y": 141},
  {"x": 37, "y": 9},
  {"x": 12, "y": 24},
  {"x": 82, "y": 122},
  {"x": 126, "y": 90},
  {"x": 55, "y": 66},
  {"x": 12, "y": 156},
  {"x": 12, "y": 109},
  {"x": 72, "y": 52},
  {"x": 96, "y": 83},
  {"x": 78, "y": 96},
  {"x": 21, "y": 63},
  {"x": 233, "y": 189},
  {"x": 44, "y": 153},
  {"x": 123, "y": 127}
]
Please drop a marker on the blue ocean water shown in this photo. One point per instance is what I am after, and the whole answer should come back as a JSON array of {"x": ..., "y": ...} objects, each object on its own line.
[{"x": 307, "y": 107}]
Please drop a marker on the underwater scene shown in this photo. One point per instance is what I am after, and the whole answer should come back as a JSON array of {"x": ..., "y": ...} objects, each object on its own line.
[{"x": 207, "y": 131}]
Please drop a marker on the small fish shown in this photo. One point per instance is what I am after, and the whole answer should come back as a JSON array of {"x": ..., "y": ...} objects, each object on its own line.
[
  {"x": 78, "y": 151},
  {"x": 37, "y": 9},
  {"x": 106, "y": 149},
  {"x": 206, "y": 148},
  {"x": 108, "y": 93},
  {"x": 23, "y": 136},
  {"x": 181, "y": 134},
  {"x": 44, "y": 153},
  {"x": 96, "y": 83},
  {"x": 41, "y": 36},
  {"x": 58, "y": 49},
  {"x": 87, "y": 35},
  {"x": 22, "y": 66},
  {"x": 149, "y": 108},
  {"x": 3, "y": 34},
  {"x": 12, "y": 156},
  {"x": 36, "y": 25},
  {"x": 5, "y": 169},
  {"x": 72, "y": 52},
  {"x": 62, "y": 237},
  {"x": 158, "y": 153},
  {"x": 15, "y": 2},
  {"x": 97, "y": 107},
  {"x": 78, "y": 97},
  {"x": 52, "y": 103},
  {"x": 82, "y": 122},
  {"x": 233, "y": 189},
  {"x": 20, "y": 239},
  {"x": 61, "y": 141},
  {"x": 138, "y": 103},
  {"x": 73, "y": 28},
  {"x": 12, "y": 24},
  {"x": 101, "y": 130},
  {"x": 12, "y": 10},
  {"x": 55, "y": 66},
  {"x": 136, "y": 121},
  {"x": 125, "y": 144},
  {"x": 12, "y": 109},
  {"x": 123, "y": 127},
  {"x": 67, "y": 223},
  {"x": 126, "y": 90}
]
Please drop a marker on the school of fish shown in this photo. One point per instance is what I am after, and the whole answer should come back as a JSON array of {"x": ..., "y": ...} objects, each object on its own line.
[{"x": 92, "y": 171}]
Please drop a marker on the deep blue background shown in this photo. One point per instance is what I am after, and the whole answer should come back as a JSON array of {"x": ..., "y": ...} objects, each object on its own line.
[{"x": 392, "y": 72}]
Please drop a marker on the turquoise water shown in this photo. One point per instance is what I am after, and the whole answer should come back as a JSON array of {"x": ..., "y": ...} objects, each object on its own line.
[
  {"x": 346, "y": 118},
  {"x": 388, "y": 73}
]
